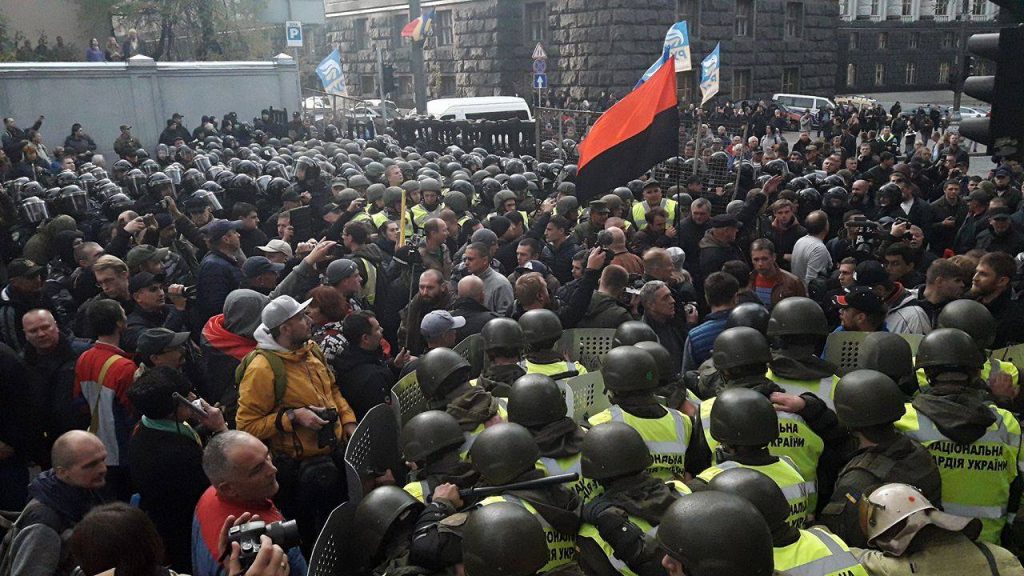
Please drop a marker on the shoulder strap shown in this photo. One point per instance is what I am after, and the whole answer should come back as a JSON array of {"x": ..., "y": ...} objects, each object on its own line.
[
  {"x": 988, "y": 557},
  {"x": 276, "y": 366},
  {"x": 94, "y": 422}
]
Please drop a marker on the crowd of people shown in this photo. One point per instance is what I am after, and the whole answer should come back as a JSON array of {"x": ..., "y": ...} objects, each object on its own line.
[{"x": 188, "y": 341}]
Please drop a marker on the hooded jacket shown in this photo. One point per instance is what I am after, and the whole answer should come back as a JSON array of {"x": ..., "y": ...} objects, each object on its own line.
[
  {"x": 364, "y": 378},
  {"x": 226, "y": 339},
  {"x": 310, "y": 383},
  {"x": 604, "y": 312}
]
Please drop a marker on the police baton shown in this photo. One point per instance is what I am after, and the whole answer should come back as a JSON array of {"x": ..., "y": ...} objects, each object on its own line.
[{"x": 525, "y": 485}]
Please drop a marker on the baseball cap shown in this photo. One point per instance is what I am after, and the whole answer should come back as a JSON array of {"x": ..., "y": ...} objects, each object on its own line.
[
  {"x": 339, "y": 270},
  {"x": 652, "y": 183},
  {"x": 176, "y": 116},
  {"x": 277, "y": 246},
  {"x": 144, "y": 253},
  {"x": 437, "y": 322},
  {"x": 194, "y": 204},
  {"x": 159, "y": 340},
  {"x": 1003, "y": 171},
  {"x": 533, "y": 266},
  {"x": 144, "y": 280},
  {"x": 998, "y": 214},
  {"x": 281, "y": 310},
  {"x": 725, "y": 221},
  {"x": 484, "y": 235},
  {"x": 216, "y": 229},
  {"x": 862, "y": 298},
  {"x": 23, "y": 268},
  {"x": 256, "y": 265},
  {"x": 871, "y": 273},
  {"x": 499, "y": 225}
]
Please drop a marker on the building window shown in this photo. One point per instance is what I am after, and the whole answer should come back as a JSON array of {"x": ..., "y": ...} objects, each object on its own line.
[
  {"x": 368, "y": 84},
  {"x": 844, "y": 8},
  {"x": 854, "y": 39},
  {"x": 791, "y": 79},
  {"x": 744, "y": 17},
  {"x": 851, "y": 75},
  {"x": 875, "y": 7},
  {"x": 444, "y": 31},
  {"x": 949, "y": 40},
  {"x": 686, "y": 86},
  {"x": 912, "y": 44},
  {"x": 941, "y": 7},
  {"x": 883, "y": 40},
  {"x": 447, "y": 85},
  {"x": 943, "y": 73},
  {"x": 689, "y": 10},
  {"x": 535, "y": 21},
  {"x": 741, "y": 84},
  {"x": 879, "y": 74},
  {"x": 907, "y": 8},
  {"x": 794, "y": 19},
  {"x": 910, "y": 74},
  {"x": 398, "y": 21},
  {"x": 978, "y": 7},
  {"x": 361, "y": 33}
]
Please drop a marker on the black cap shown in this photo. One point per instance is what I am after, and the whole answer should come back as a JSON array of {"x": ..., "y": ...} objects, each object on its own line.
[
  {"x": 144, "y": 280},
  {"x": 862, "y": 298},
  {"x": 599, "y": 207},
  {"x": 159, "y": 340},
  {"x": 871, "y": 273},
  {"x": 725, "y": 221},
  {"x": 196, "y": 204},
  {"x": 24, "y": 268},
  {"x": 998, "y": 214}
]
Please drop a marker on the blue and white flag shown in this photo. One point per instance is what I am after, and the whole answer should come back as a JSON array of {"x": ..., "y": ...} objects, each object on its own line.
[
  {"x": 329, "y": 71},
  {"x": 677, "y": 43},
  {"x": 709, "y": 69}
]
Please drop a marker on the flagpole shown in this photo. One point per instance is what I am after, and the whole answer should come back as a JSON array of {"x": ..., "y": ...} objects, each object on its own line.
[{"x": 419, "y": 80}]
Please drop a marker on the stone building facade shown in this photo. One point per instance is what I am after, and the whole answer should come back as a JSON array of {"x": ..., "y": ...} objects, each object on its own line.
[
  {"x": 483, "y": 47},
  {"x": 887, "y": 45}
]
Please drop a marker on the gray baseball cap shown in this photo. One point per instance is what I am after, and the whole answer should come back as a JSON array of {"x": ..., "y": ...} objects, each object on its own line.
[
  {"x": 339, "y": 270},
  {"x": 281, "y": 310},
  {"x": 437, "y": 322}
]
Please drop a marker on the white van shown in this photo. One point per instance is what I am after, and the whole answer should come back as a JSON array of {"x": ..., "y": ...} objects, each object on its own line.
[
  {"x": 482, "y": 108},
  {"x": 803, "y": 102}
]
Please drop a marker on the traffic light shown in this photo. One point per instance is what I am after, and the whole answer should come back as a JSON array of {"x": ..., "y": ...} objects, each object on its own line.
[
  {"x": 1003, "y": 130},
  {"x": 388, "y": 72}
]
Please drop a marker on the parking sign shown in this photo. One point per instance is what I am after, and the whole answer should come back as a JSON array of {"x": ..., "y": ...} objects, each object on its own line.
[{"x": 293, "y": 33}]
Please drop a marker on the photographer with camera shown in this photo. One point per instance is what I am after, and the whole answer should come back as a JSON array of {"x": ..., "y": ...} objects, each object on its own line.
[
  {"x": 233, "y": 510},
  {"x": 288, "y": 398}
]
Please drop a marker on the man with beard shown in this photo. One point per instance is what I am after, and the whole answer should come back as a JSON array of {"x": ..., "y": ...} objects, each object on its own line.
[
  {"x": 433, "y": 295},
  {"x": 974, "y": 223},
  {"x": 860, "y": 198},
  {"x": 992, "y": 287}
]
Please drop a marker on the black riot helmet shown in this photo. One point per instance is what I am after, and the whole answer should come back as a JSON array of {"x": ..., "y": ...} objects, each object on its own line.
[
  {"x": 739, "y": 347},
  {"x": 374, "y": 520},
  {"x": 759, "y": 490},
  {"x": 749, "y": 314},
  {"x": 973, "y": 318},
  {"x": 613, "y": 450},
  {"x": 135, "y": 183},
  {"x": 535, "y": 400},
  {"x": 633, "y": 331},
  {"x": 160, "y": 185},
  {"x": 668, "y": 369},
  {"x": 503, "y": 452},
  {"x": 866, "y": 398},
  {"x": 430, "y": 433},
  {"x": 503, "y": 333},
  {"x": 629, "y": 369},
  {"x": 307, "y": 170},
  {"x": 439, "y": 370},
  {"x": 503, "y": 538},
  {"x": 743, "y": 417}
]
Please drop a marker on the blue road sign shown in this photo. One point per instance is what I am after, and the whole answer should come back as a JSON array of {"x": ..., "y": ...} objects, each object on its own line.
[
  {"x": 540, "y": 66},
  {"x": 293, "y": 33},
  {"x": 540, "y": 81}
]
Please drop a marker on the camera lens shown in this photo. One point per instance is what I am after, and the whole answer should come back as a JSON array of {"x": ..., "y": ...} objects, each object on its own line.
[{"x": 285, "y": 534}]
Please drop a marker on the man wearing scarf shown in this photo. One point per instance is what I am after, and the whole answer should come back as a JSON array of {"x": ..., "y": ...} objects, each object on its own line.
[{"x": 60, "y": 497}]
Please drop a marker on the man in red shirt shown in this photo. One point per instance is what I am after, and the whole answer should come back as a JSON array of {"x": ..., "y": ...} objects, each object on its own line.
[
  {"x": 102, "y": 377},
  {"x": 242, "y": 480}
]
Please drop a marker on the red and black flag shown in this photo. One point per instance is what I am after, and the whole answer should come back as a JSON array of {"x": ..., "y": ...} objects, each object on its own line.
[{"x": 632, "y": 136}]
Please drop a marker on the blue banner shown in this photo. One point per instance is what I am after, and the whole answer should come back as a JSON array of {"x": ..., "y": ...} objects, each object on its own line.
[
  {"x": 330, "y": 73},
  {"x": 709, "y": 72},
  {"x": 677, "y": 43}
]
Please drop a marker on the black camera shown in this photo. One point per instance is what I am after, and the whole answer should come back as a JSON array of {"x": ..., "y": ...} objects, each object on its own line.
[
  {"x": 325, "y": 435},
  {"x": 285, "y": 534}
]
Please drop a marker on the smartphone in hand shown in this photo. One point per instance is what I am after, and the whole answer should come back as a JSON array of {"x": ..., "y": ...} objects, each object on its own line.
[{"x": 196, "y": 406}]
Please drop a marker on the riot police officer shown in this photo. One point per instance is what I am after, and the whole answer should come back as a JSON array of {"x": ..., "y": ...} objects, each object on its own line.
[
  {"x": 443, "y": 377},
  {"x": 431, "y": 442},
  {"x": 797, "y": 330},
  {"x": 542, "y": 329},
  {"x": 868, "y": 403},
  {"x": 631, "y": 378},
  {"x": 503, "y": 539},
  {"x": 381, "y": 531},
  {"x": 977, "y": 321},
  {"x": 891, "y": 355},
  {"x": 503, "y": 344}
]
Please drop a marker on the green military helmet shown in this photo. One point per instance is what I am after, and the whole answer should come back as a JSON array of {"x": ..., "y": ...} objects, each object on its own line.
[
  {"x": 535, "y": 400},
  {"x": 540, "y": 326},
  {"x": 613, "y": 450},
  {"x": 359, "y": 181},
  {"x": 743, "y": 417},
  {"x": 436, "y": 367},
  {"x": 503, "y": 539},
  {"x": 868, "y": 398},
  {"x": 972, "y": 317},
  {"x": 501, "y": 197},
  {"x": 750, "y": 314},
  {"x": 796, "y": 316},
  {"x": 430, "y": 185},
  {"x": 375, "y": 192},
  {"x": 633, "y": 331},
  {"x": 740, "y": 346},
  {"x": 628, "y": 368},
  {"x": 346, "y": 196},
  {"x": 758, "y": 489},
  {"x": 429, "y": 433},
  {"x": 374, "y": 517},
  {"x": 392, "y": 195},
  {"x": 717, "y": 534},
  {"x": 503, "y": 452},
  {"x": 612, "y": 201},
  {"x": 456, "y": 201},
  {"x": 502, "y": 333},
  {"x": 887, "y": 353},
  {"x": 667, "y": 368},
  {"x": 949, "y": 348},
  {"x": 411, "y": 186},
  {"x": 374, "y": 170}
]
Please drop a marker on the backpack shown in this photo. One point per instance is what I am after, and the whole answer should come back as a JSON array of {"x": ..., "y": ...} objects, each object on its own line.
[{"x": 276, "y": 366}]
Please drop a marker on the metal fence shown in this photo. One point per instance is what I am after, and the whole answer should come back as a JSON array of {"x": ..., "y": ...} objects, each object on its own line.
[
  {"x": 560, "y": 131},
  {"x": 516, "y": 136}
]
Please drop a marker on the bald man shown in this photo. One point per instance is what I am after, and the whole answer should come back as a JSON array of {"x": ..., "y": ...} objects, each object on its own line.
[
  {"x": 61, "y": 496},
  {"x": 621, "y": 255},
  {"x": 470, "y": 305}
]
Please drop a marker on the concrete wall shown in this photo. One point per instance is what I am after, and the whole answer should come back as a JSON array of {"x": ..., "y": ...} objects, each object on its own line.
[{"x": 142, "y": 93}]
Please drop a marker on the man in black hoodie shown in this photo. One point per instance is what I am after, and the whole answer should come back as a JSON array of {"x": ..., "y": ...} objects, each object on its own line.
[
  {"x": 364, "y": 375},
  {"x": 974, "y": 443}
]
